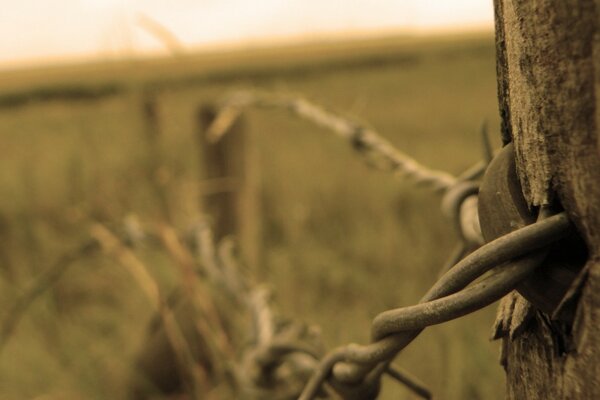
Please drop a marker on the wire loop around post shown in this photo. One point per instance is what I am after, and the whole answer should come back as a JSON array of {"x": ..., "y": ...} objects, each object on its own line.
[{"x": 515, "y": 255}]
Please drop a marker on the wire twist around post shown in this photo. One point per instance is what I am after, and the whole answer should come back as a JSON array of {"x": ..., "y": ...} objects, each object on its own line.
[{"x": 513, "y": 257}]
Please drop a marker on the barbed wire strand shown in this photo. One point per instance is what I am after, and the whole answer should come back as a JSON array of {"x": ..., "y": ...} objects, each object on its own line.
[
  {"x": 272, "y": 345},
  {"x": 369, "y": 143},
  {"x": 503, "y": 249},
  {"x": 363, "y": 138},
  {"x": 446, "y": 300}
]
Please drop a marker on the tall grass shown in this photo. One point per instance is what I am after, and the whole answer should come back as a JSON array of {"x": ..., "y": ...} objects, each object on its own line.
[{"x": 342, "y": 242}]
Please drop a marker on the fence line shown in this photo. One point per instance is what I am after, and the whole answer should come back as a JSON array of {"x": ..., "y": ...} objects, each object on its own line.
[
  {"x": 354, "y": 371},
  {"x": 274, "y": 345},
  {"x": 459, "y": 202},
  {"x": 349, "y": 365}
]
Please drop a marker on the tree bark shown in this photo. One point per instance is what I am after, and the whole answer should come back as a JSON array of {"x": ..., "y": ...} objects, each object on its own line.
[{"x": 548, "y": 68}]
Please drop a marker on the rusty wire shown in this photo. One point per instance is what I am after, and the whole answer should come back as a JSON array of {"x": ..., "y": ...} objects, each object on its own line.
[
  {"x": 363, "y": 138},
  {"x": 512, "y": 257}
]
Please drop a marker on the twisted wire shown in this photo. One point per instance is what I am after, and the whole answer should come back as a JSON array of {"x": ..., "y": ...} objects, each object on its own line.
[
  {"x": 364, "y": 139},
  {"x": 395, "y": 329}
]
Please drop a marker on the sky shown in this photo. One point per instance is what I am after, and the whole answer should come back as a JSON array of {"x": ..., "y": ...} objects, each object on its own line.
[{"x": 44, "y": 30}]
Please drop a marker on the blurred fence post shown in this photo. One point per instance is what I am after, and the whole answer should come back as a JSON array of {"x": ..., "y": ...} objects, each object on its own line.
[
  {"x": 157, "y": 174},
  {"x": 229, "y": 185}
]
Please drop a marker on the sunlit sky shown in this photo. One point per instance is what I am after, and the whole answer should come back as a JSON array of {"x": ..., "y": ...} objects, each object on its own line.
[{"x": 34, "y": 30}]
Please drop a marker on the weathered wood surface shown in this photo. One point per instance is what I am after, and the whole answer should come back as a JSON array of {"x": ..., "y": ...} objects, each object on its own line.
[
  {"x": 548, "y": 85},
  {"x": 230, "y": 191}
]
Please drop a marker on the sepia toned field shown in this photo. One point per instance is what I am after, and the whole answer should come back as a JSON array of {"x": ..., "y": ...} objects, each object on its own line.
[{"x": 340, "y": 242}]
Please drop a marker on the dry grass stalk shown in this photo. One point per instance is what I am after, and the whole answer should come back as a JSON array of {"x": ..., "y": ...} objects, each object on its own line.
[
  {"x": 40, "y": 284},
  {"x": 199, "y": 294},
  {"x": 112, "y": 245}
]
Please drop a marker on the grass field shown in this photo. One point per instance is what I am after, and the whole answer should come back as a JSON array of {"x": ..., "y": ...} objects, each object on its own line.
[{"x": 341, "y": 242}]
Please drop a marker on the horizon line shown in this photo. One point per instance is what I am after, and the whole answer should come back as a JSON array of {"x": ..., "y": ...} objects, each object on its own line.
[{"x": 255, "y": 43}]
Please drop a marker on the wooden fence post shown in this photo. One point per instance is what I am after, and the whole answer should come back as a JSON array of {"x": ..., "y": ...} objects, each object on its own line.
[
  {"x": 157, "y": 175},
  {"x": 229, "y": 192},
  {"x": 548, "y": 68}
]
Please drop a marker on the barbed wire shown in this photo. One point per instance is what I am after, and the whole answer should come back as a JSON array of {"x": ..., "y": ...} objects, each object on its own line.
[
  {"x": 459, "y": 193},
  {"x": 511, "y": 258},
  {"x": 364, "y": 139},
  {"x": 285, "y": 360},
  {"x": 278, "y": 355},
  {"x": 350, "y": 365}
]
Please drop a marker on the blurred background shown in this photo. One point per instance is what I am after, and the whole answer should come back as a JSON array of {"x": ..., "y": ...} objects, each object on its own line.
[{"x": 99, "y": 122}]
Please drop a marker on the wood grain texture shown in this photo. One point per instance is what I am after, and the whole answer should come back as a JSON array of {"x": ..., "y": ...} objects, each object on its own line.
[{"x": 548, "y": 81}]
